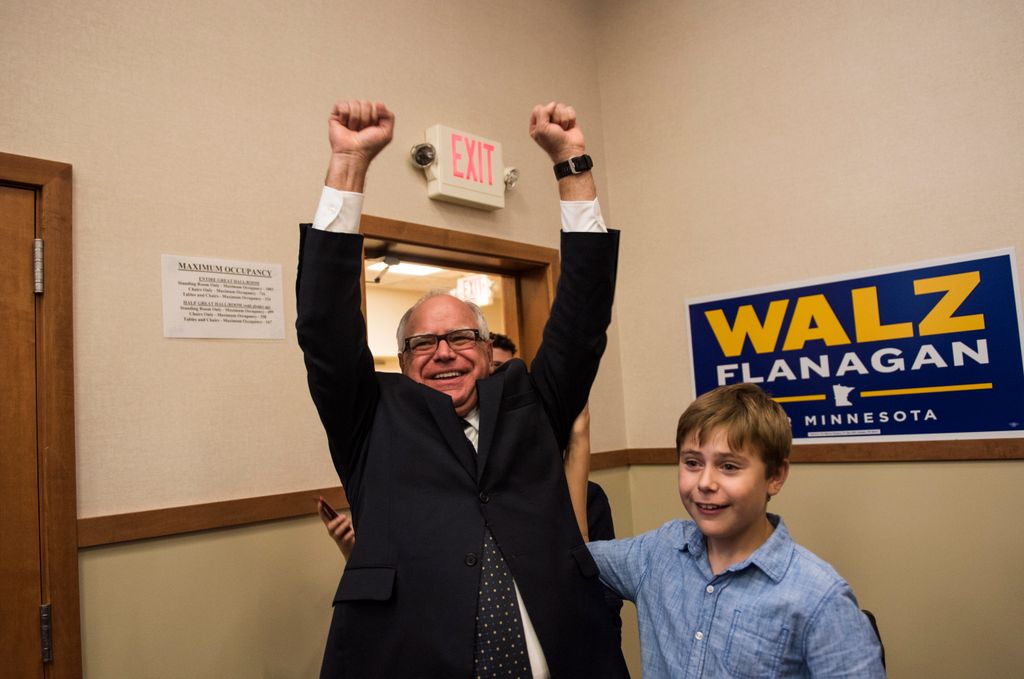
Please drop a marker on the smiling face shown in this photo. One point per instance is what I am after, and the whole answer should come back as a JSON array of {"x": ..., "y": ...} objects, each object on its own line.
[
  {"x": 726, "y": 493},
  {"x": 449, "y": 371}
]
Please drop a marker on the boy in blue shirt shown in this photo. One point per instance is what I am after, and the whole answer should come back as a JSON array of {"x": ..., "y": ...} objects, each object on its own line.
[{"x": 729, "y": 594}]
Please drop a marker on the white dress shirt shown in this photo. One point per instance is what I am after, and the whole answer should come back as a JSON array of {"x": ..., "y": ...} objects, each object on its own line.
[{"x": 340, "y": 211}]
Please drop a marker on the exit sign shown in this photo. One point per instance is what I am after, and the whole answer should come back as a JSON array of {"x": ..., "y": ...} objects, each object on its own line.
[{"x": 469, "y": 169}]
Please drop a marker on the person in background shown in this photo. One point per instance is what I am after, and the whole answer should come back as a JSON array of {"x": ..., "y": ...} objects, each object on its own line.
[
  {"x": 503, "y": 350},
  {"x": 593, "y": 511}
]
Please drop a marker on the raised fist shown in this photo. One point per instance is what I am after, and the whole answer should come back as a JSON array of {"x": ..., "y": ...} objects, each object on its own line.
[
  {"x": 553, "y": 127},
  {"x": 360, "y": 128}
]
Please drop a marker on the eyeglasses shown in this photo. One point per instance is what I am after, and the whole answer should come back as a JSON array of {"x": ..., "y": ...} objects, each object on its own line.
[{"x": 458, "y": 340}]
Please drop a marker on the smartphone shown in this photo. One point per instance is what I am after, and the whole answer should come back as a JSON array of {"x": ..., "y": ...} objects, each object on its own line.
[{"x": 325, "y": 508}]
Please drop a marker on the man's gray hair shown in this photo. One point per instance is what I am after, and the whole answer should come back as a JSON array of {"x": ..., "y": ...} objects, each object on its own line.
[{"x": 481, "y": 322}]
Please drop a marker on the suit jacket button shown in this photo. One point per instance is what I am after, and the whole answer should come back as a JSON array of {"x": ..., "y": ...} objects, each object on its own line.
[
  {"x": 471, "y": 559},
  {"x": 484, "y": 497}
]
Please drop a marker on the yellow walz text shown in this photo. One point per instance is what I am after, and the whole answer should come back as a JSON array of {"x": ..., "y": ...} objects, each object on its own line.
[{"x": 814, "y": 319}]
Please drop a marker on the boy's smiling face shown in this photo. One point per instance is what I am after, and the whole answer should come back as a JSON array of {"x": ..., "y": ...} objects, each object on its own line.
[{"x": 726, "y": 493}]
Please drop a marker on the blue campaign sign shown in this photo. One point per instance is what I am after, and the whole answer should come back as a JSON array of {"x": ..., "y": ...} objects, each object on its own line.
[{"x": 929, "y": 351}]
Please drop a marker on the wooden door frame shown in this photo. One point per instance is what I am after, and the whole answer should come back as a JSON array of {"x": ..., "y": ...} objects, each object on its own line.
[
  {"x": 55, "y": 404},
  {"x": 534, "y": 267}
]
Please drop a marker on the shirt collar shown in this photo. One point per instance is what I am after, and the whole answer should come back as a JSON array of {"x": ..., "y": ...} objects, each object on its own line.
[
  {"x": 773, "y": 557},
  {"x": 472, "y": 418},
  {"x": 471, "y": 427}
]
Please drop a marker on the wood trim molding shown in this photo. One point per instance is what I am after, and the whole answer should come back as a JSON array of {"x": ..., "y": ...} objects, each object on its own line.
[
  {"x": 155, "y": 523},
  {"x": 609, "y": 460},
  {"x": 480, "y": 249},
  {"x": 105, "y": 530},
  {"x": 909, "y": 451},
  {"x": 912, "y": 451},
  {"x": 534, "y": 267}
]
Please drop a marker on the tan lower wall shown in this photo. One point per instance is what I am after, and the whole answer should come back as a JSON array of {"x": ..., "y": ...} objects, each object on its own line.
[
  {"x": 245, "y": 602},
  {"x": 238, "y": 602},
  {"x": 933, "y": 549}
]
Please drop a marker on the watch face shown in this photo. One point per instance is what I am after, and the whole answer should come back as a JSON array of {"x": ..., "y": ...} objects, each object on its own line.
[
  {"x": 581, "y": 163},
  {"x": 573, "y": 166}
]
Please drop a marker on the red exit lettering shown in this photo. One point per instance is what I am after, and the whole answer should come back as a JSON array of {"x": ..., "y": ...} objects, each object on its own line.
[{"x": 478, "y": 159}]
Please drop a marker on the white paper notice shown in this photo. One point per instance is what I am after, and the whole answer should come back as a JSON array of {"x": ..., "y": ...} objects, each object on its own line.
[{"x": 222, "y": 299}]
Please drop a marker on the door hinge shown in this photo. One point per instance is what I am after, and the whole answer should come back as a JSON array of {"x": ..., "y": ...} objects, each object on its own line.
[
  {"x": 37, "y": 265},
  {"x": 46, "y": 632}
]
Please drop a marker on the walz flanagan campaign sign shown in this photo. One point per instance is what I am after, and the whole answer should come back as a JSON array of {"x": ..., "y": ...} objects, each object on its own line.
[{"x": 926, "y": 351}]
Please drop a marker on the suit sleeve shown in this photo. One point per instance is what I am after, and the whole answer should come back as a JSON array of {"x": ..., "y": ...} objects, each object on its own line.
[
  {"x": 332, "y": 334},
  {"x": 575, "y": 335}
]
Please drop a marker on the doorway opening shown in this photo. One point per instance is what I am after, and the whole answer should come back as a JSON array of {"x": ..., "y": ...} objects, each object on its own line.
[
  {"x": 512, "y": 282},
  {"x": 393, "y": 285}
]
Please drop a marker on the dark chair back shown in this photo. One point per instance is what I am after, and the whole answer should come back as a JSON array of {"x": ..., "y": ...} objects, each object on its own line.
[{"x": 874, "y": 626}]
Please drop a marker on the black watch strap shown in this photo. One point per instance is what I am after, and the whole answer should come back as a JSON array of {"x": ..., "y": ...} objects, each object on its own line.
[{"x": 573, "y": 166}]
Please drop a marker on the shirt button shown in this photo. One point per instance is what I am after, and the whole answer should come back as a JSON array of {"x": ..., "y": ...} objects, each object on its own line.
[
  {"x": 484, "y": 497},
  {"x": 470, "y": 559},
  {"x": 698, "y": 636},
  {"x": 710, "y": 589}
]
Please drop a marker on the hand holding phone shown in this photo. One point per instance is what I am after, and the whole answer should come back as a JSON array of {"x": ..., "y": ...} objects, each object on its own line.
[
  {"x": 339, "y": 527},
  {"x": 325, "y": 508}
]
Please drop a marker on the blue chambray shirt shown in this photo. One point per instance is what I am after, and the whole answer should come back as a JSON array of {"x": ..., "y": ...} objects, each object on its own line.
[{"x": 781, "y": 613}]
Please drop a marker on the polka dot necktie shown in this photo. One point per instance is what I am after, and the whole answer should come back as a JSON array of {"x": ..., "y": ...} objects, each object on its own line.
[{"x": 500, "y": 646}]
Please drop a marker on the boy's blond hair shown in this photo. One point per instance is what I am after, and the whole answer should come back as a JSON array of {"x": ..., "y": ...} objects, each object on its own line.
[{"x": 750, "y": 418}]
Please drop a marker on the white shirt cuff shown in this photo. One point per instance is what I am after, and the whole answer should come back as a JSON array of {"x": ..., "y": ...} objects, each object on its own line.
[
  {"x": 582, "y": 215},
  {"x": 338, "y": 211}
]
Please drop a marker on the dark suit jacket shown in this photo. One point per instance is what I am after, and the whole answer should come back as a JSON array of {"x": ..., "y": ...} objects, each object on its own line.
[{"x": 421, "y": 498}]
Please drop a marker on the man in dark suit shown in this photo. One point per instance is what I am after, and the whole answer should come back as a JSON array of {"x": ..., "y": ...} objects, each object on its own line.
[{"x": 455, "y": 478}]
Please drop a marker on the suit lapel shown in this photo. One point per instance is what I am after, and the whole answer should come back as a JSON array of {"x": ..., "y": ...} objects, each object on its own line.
[
  {"x": 441, "y": 408},
  {"x": 489, "y": 395}
]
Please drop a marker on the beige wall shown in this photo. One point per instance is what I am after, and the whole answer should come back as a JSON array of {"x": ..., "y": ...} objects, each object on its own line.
[
  {"x": 199, "y": 128},
  {"x": 871, "y": 133},
  {"x": 755, "y": 143},
  {"x": 249, "y": 602}
]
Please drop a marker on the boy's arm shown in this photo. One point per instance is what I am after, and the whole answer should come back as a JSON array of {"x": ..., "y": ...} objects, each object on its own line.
[
  {"x": 840, "y": 641},
  {"x": 577, "y": 469},
  {"x": 623, "y": 564}
]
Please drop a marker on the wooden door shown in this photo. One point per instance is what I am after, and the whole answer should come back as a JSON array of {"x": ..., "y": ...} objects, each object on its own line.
[
  {"x": 38, "y": 537},
  {"x": 19, "y": 481}
]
